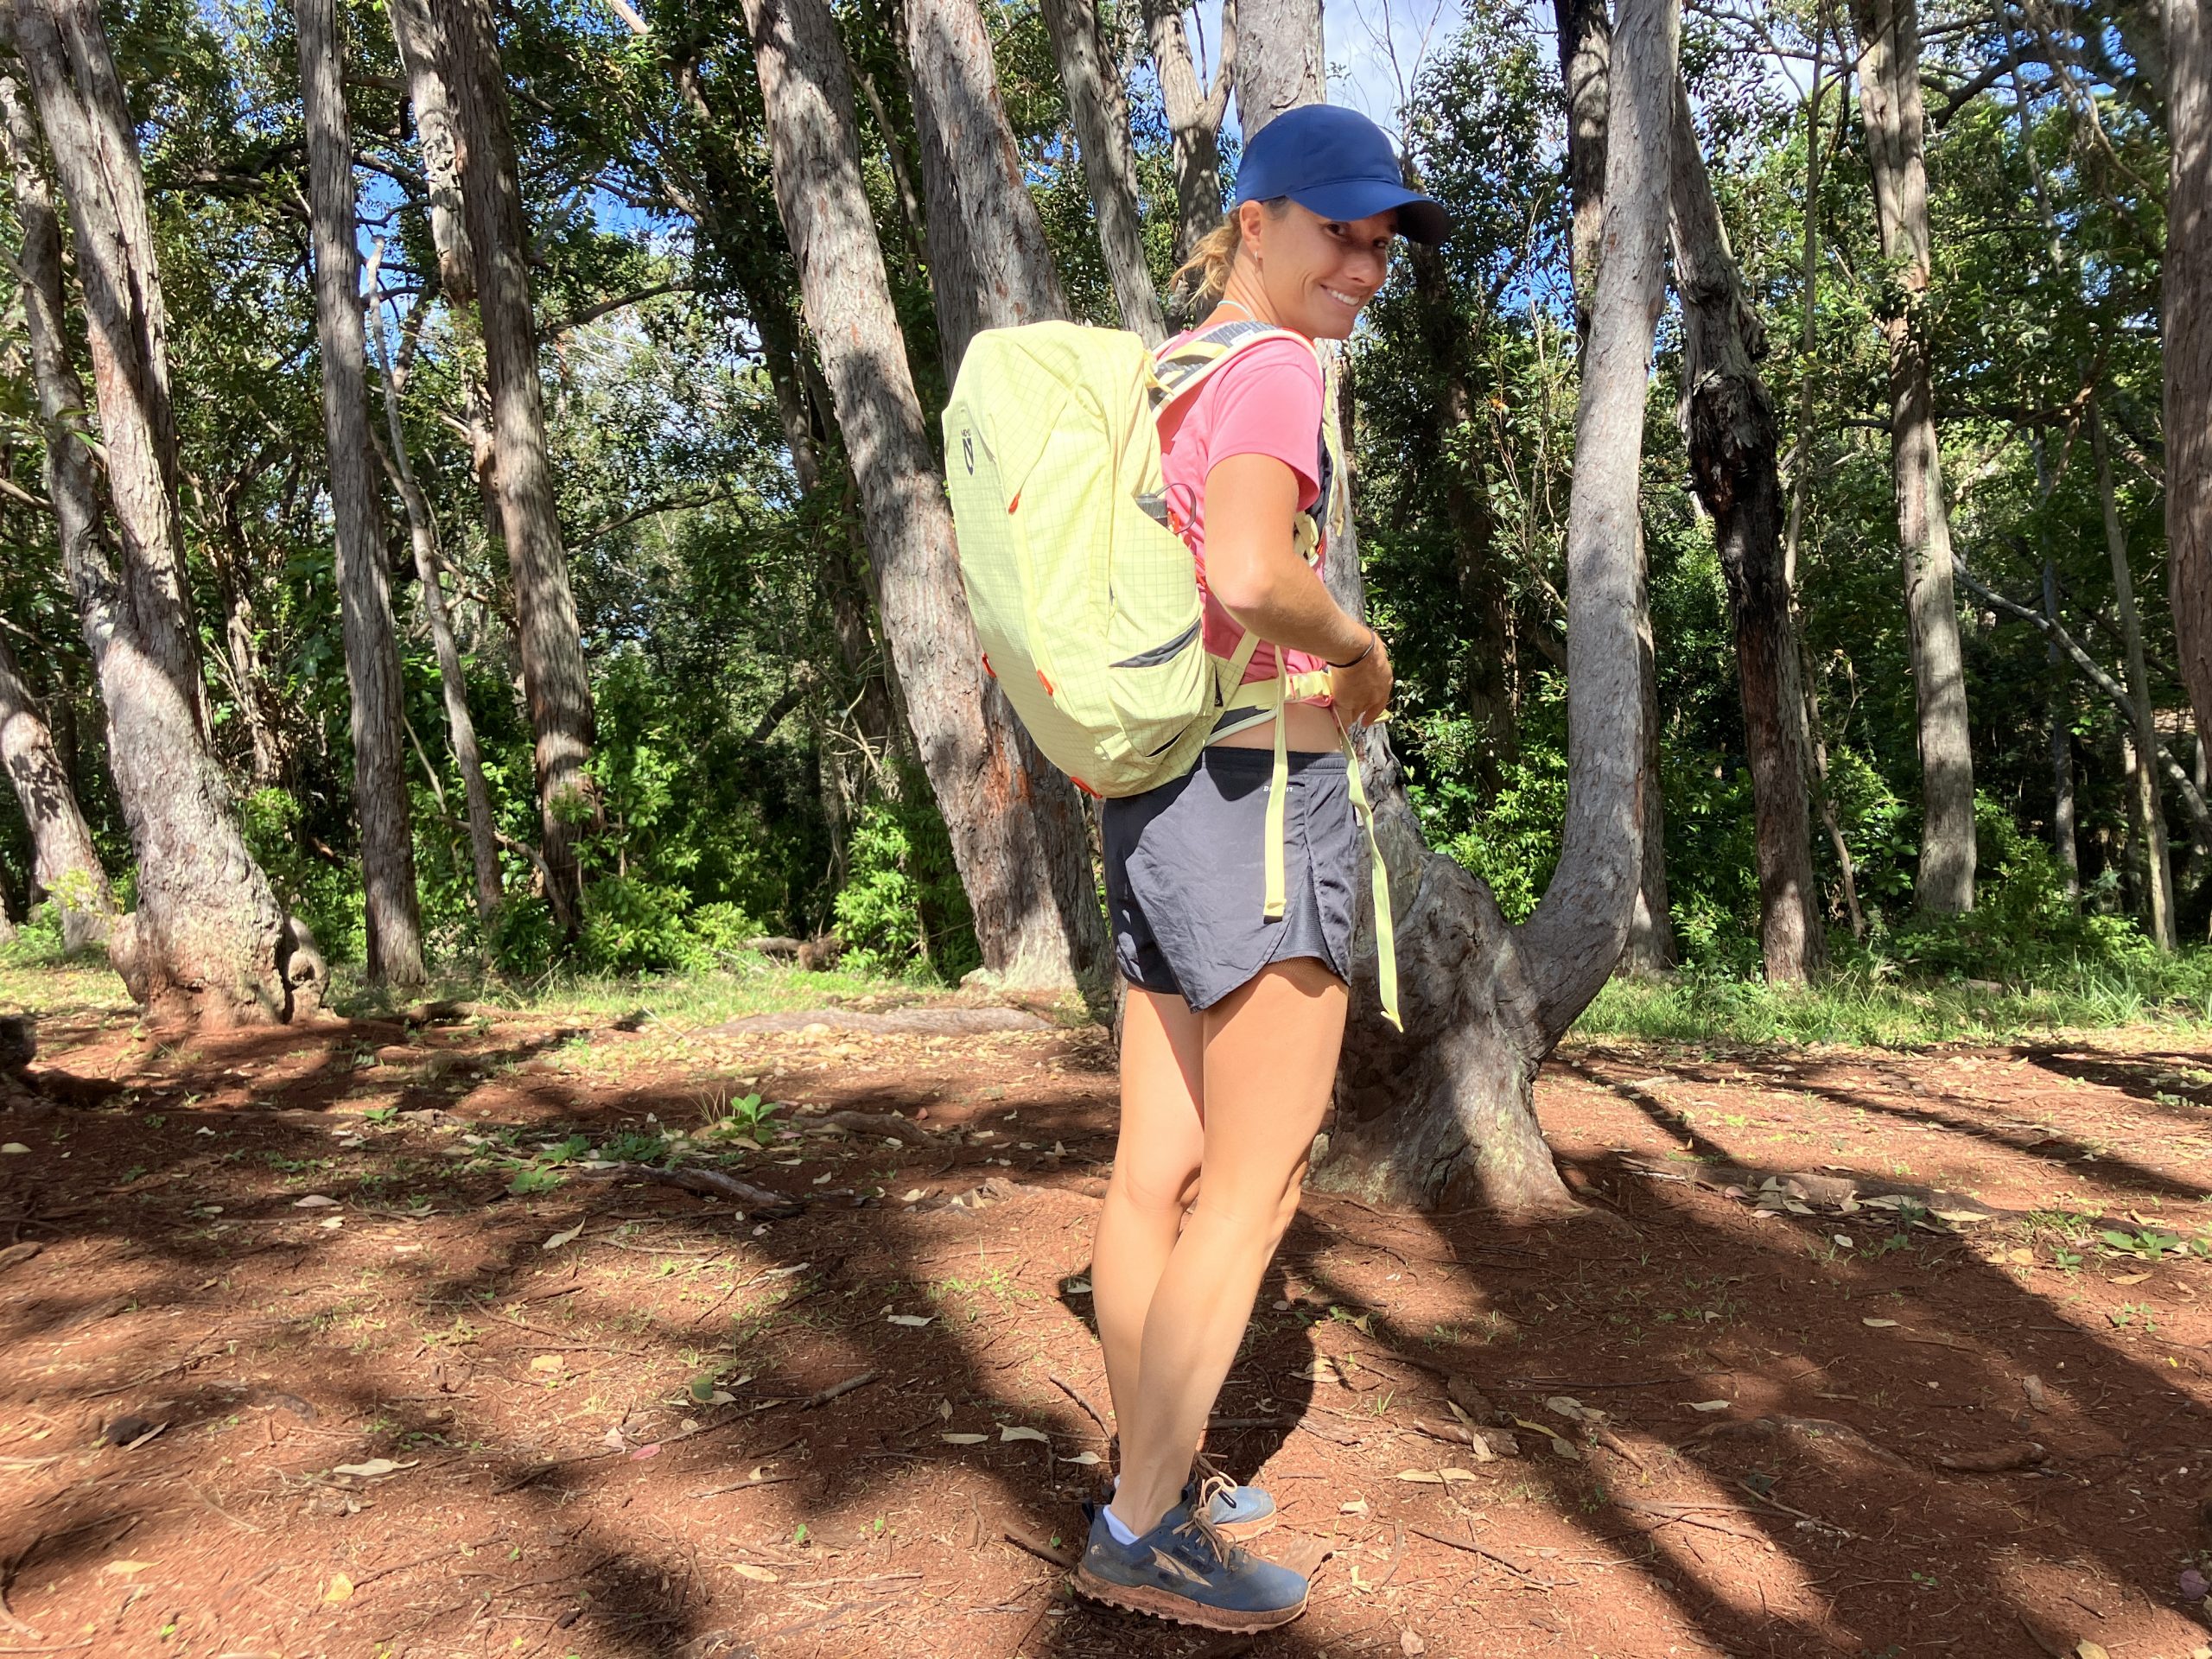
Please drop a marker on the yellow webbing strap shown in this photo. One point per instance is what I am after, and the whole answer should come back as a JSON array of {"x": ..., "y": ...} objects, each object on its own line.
[{"x": 1273, "y": 694}]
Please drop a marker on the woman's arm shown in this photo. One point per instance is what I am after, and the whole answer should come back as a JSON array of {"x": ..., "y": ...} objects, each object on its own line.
[{"x": 1252, "y": 568}]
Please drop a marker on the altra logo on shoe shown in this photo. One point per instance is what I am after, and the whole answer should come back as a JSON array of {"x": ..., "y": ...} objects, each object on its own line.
[{"x": 1175, "y": 1568}]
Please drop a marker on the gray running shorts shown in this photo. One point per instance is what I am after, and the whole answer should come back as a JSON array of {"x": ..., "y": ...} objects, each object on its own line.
[{"x": 1187, "y": 883}]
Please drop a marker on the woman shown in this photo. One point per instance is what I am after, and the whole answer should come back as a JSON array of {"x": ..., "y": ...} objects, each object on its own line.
[{"x": 1234, "y": 1021}]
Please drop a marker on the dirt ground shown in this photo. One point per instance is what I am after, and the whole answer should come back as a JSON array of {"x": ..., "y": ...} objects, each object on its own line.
[{"x": 291, "y": 1367}]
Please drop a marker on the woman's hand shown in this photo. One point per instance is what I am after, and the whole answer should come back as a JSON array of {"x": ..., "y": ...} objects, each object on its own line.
[{"x": 1361, "y": 691}]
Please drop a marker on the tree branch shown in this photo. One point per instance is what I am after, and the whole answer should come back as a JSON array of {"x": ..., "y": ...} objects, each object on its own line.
[{"x": 594, "y": 313}]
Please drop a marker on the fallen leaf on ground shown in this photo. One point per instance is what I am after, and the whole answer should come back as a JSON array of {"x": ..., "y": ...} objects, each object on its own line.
[
  {"x": 340, "y": 1588},
  {"x": 1707, "y": 1405},
  {"x": 372, "y": 1469},
  {"x": 1009, "y": 1432},
  {"x": 916, "y": 1320},
  {"x": 645, "y": 1451},
  {"x": 1085, "y": 1457},
  {"x": 964, "y": 1440},
  {"x": 2032, "y": 1387},
  {"x": 124, "y": 1569},
  {"x": 568, "y": 1237},
  {"x": 758, "y": 1574},
  {"x": 1411, "y": 1645},
  {"x": 1994, "y": 1459},
  {"x": 1880, "y": 1324},
  {"x": 547, "y": 1362},
  {"x": 14, "y": 1149},
  {"x": 2128, "y": 1279},
  {"x": 314, "y": 1201}
]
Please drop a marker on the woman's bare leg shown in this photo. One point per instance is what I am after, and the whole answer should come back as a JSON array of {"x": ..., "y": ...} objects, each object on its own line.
[
  {"x": 1155, "y": 1177},
  {"x": 1270, "y": 1061}
]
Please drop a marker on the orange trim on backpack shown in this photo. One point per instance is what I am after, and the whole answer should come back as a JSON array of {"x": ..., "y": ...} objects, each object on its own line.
[
  {"x": 1014, "y": 505},
  {"x": 1046, "y": 684},
  {"x": 992, "y": 672},
  {"x": 1084, "y": 787}
]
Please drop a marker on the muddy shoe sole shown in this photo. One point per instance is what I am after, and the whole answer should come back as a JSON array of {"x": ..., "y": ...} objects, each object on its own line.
[
  {"x": 1243, "y": 1532},
  {"x": 1181, "y": 1610}
]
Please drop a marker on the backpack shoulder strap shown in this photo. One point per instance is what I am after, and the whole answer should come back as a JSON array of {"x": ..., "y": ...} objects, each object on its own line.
[{"x": 1180, "y": 369}]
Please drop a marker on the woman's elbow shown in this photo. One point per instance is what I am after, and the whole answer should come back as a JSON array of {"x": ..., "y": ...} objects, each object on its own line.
[{"x": 1239, "y": 586}]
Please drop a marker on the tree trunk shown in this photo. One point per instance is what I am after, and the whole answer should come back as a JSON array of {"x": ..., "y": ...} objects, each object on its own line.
[
  {"x": 1888, "y": 100},
  {"x": 1101, "y": 113},
  {"x": 1280, "y": 60},
  {"x": 555, "y": 683},
  {"x": 208, "y": 940},
  {"x": 64, "y": 863},
  {"x": 1012, "y": 820},
  {"x": 1194, "y": 116},
  {"x": 453, "y": 683},
  {"x": 416, "y": 33},
  {"x": 990, "y": 266},
  {"x": 1444, "y": 1113},
  {"x": 392, "y": 913},
  {"x": 1585, "y": 45},
  {"x": 2063, "y": 832},
  {"x": 1728, "y": 421},
  {"x": 2148, "y": 810},
  {"x": 2188, "y": 341}
]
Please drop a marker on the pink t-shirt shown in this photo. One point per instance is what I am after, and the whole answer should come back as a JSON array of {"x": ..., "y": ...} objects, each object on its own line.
[{"x": 1265, "y": 401}]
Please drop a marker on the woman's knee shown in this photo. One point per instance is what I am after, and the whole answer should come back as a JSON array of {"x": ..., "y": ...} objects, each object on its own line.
[{"x": 1156, "y": 1188}]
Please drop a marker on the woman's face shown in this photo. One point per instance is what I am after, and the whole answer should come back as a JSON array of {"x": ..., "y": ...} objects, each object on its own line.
[{"x": 1317, "y": 273}]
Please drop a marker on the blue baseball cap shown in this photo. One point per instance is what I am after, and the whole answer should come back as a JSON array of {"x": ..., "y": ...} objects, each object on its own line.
[{"x": 1339, "y": 165}]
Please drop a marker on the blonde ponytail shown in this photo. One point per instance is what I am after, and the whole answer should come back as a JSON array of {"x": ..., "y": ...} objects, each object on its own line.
[{"x": 1203, "y": 277}]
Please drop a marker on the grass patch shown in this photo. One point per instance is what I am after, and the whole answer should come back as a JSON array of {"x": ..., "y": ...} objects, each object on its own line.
[{"x": 1865, "y": 1009}]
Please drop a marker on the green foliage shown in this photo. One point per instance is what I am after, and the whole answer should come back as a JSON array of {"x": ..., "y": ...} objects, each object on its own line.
[{"x": 902, "y": 906}]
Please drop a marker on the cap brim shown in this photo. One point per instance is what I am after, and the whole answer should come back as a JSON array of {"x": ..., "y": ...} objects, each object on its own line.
[{"x": 1419, "y": 219}]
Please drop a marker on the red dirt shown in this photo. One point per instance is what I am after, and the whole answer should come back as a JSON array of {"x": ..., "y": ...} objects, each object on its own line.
[{"x": 559, "y": 1491}]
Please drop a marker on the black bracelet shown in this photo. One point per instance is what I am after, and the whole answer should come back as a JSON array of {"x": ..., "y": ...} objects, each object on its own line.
[{"x": 1372, "y": 638}]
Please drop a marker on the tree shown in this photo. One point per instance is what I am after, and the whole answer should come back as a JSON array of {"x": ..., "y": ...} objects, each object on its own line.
[
  {"x": 1443, "y": 1113},
  {"x": 1728, "y": 421},
  {"x": 372, "y": 677},
  {"x": 1036, "y": 913},
  {"x": 66, "y": 865},
  {"x": 1194, "y": 116},
  {"x": 2189, "y": 347},
  {"x": 555, "y": 684},
  {"x": 208, "y": 940},
  {"x": 1585, "y": 45},
  {"x": 421, "y": 44},
  {"x": 1101, "y": 113},
  {"x": 990, "y": 266},
  {"x": 1890, "y": 106}
]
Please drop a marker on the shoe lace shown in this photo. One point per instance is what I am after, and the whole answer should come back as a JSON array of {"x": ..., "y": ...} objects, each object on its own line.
[
  {"x": 1203, "y": 1533},
  {"x": 1213, "y": 1481}
]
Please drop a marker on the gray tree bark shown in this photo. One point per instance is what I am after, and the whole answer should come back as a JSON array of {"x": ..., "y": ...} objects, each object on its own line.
[
  {"x": 1890, "y": 106},
  {"x": 2064, "y": 838},
  {"x": 1194, "y": 116},
  {"x": 1010, "y": 816},
  {"x": 1727, "y": 419},
  {"x": 416, "y": 33},
  {"x": 1443, "y": 1113},
  {"x": 555, "y": 684},
  {"x": 2148, "y": 809},
  {"x": 208, "y": 940},
  {"x": 65, "y": 864},
  {"x": 1280, "y": 60},
  {"x": 990, "y": 266},
  {"x": 1586, "y": 44},
  {"x": 1100, "y": 112},
  {"x": 2188, "y": 341},
  {"x": 393, "y": 912}
]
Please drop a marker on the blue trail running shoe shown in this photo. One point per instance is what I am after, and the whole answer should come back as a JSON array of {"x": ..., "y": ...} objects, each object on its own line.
[
  {"x": 1240, "y": 1513},
  {"x": 1184, "y": 1569}
]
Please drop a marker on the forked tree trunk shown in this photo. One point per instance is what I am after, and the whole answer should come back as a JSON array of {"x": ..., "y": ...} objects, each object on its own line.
[
  {"x": 1194, "y": 116},
  {"x": 1728, "y": 421},
  {"x": 555, "y": 684},
  {"x": 1444, "y": 1113},
  {"x": 1010, "y": 817},
  {"x": 990, "y": 266},
  {"x": 392, "y": 911},
  {"x": 2188, "y": 341},
  {"x": 1890, "y": 104},
  {"x": 208, "y": 940},
  {"x": 64, "y": 863},
  {"x": 1101, "y": 113},
  {"x": 2148, "y": 810},
  {"x": 1585, "y": 46}
]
